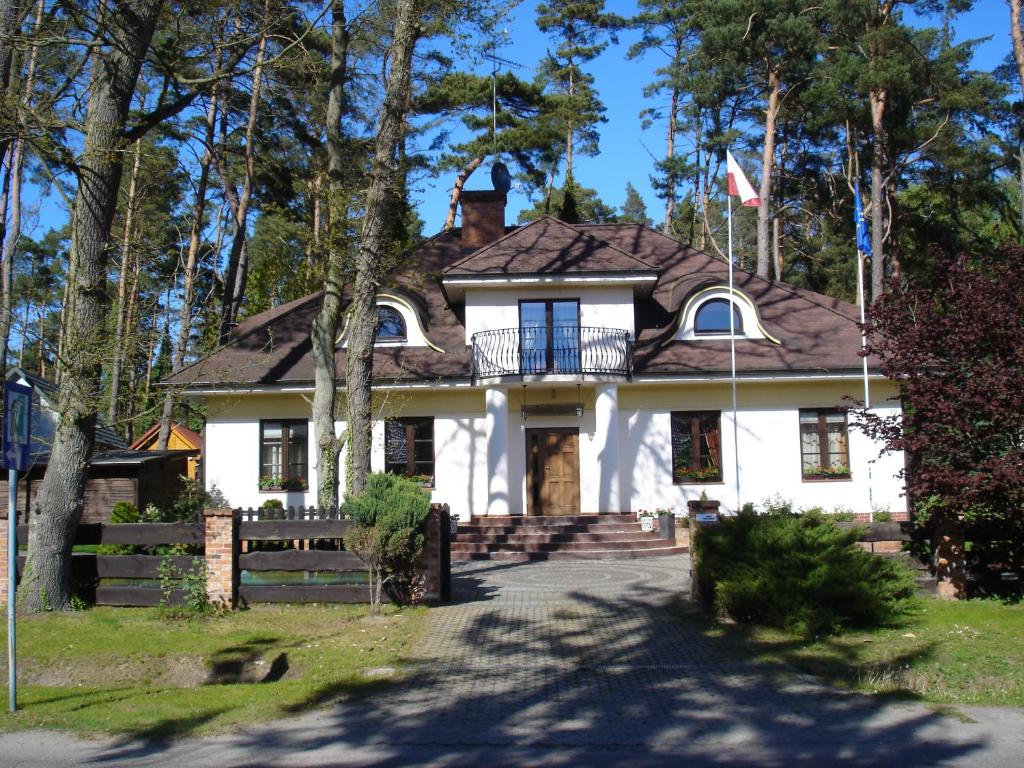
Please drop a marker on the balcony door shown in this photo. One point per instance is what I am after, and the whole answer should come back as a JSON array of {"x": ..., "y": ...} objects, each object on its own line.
[{"x": 549, "y": 336}]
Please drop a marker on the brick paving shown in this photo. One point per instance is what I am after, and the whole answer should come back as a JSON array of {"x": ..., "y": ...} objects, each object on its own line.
[{"x": 577, "y": 664}]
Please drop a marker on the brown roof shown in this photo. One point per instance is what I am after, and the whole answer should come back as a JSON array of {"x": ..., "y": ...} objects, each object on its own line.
[
  {"x": 547, "y": 246},
  {"x": 817, "y": 333},
  {"x": 193, "y": 438}
]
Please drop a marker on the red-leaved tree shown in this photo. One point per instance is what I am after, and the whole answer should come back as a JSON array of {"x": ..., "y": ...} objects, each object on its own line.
[{"x": 954, "y": 345}]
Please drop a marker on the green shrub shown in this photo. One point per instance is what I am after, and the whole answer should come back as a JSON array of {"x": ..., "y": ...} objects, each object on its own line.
[
  {"x": 801, "y": 573},
  {"x": 388, "y": 534},
  {"x": 191, "y": 581},
  {"x": 843, "y": 514},
  {"x": 123, "y": 512}
]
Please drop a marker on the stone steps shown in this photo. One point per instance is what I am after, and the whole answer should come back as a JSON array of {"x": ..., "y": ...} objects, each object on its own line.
[{"x": 576, "y": 537}]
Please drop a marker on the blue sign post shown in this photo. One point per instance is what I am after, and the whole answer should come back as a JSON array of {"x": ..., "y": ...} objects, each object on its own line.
[{"x": 17, "y": 452}]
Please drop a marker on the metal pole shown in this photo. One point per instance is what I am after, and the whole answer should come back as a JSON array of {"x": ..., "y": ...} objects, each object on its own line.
[
  {"x": 864, "y": 361},
  {"x": 732, "y": 351},
  {"x": 12, "y": 581}
]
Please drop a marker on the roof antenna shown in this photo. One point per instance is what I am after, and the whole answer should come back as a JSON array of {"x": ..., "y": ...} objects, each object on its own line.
[{"x": 500, "y": 176}]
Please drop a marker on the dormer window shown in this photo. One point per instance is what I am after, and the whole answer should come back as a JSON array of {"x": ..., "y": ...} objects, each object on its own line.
[
  {"x": 713, "y": 317},
  {"x": 390, "y": 324},
  {"x": 705, "y": 317}
]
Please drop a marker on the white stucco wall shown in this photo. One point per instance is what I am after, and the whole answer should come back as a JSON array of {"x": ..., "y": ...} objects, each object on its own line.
[
  {"x": 493, "y": 309},
  {"x": 769, "y": 442},
  {"x": 232, "y": 444},
  {"x": 768, "y": 435}
]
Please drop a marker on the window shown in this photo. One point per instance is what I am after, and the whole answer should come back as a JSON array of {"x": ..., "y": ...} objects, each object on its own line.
[
  {"x": 390, "y": 324},
  {"x": 549, "y": 336},
  {"x": 713, "y": 317},
  {"x": 283, "y": 453},
  {"x": 696, "y": 447},
  {"x": 823, "y": 444},
  {"x": 409, "y": 447}
]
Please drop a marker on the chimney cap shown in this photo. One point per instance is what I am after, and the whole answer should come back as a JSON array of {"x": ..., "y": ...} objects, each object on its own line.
[{"x": 482, "y": 196}]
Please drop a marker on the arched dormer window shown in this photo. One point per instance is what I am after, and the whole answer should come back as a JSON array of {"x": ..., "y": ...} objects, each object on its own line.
[
  {"x": 705, "y": 317},
  {"x": 713, "y": 317},
  {"x": 390, "y": 324}
]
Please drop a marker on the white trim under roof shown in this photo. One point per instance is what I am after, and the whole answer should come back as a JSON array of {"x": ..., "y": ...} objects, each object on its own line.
[
  {"x": 465, "y": 383},
  {"x": 455, "y": 285}
]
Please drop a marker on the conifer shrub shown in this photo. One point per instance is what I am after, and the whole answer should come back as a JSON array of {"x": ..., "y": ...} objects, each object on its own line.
[
  {"x": 388, "y": 533},
  {"x": 800, "y": 573}
]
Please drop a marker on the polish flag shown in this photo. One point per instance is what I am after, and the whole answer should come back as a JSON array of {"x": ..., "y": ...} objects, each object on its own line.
[{"x": 738, "y": 184}]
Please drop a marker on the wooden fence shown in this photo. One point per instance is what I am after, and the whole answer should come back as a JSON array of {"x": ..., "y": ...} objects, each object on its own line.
[
  {"x": 274, "y": 555},
  {"x": 96, "y": 576},
  {"x": 313, "y": 544}
]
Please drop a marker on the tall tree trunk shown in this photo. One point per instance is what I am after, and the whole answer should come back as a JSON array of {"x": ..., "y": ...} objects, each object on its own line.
[
  {"x": 877, "y": 100},
  {"x": 120, "y": 344},
  {"x": 188, "y": 278},
  {"x": 670, "y": 153},
  {"x": 9, "y": 18},
  {"x": 381, "y": 209},
  {"x": 1017, "y": 36},
  {"x": 58, "y": 506},
  {"x": 238, "y": 261},
  {"x": 14, "y": 232},
  {"x": 460, "y": 183},
  {"x": 568, "y": 130},
  {"x": 328, "y": 320},
  {"x": 764, "y": 211}
]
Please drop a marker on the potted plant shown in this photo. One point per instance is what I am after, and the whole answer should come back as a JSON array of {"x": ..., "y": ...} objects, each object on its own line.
[{"x": 646, "y": 520}]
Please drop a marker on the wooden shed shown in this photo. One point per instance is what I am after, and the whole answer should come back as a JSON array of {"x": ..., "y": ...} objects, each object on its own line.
[
  {"x": 181, "y": 439},
  {"x": 140, "y": 477}
]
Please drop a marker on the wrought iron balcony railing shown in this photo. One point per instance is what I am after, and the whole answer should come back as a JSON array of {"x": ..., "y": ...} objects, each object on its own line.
[{"x": 571, "y": 349}]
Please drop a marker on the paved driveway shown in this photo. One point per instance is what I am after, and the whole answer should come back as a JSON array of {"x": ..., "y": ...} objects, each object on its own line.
[{"x": 580, "y": 664}]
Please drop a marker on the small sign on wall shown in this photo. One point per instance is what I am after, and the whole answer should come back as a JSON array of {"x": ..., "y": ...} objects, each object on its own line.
[{"x": 707, "y": 517}]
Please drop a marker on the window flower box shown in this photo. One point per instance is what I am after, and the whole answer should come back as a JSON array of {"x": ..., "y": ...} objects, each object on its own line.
[
  {"x": 278, "y": 483},
  {"x": 834, "y": 472},
  {"x": 688, "y": 475}
]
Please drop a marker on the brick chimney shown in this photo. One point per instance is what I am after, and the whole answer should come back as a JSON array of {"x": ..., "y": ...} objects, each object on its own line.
[{"x": 483, "y": 217}]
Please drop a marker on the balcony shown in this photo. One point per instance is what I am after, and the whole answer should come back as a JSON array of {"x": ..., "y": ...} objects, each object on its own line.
[{"x": 569, "y": 350}]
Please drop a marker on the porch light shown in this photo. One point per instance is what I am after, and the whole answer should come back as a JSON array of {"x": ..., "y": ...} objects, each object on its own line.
[{"x": 579, "y": 410}]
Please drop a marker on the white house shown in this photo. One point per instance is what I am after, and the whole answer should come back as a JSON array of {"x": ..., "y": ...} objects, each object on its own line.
[{"x": 556, "y": 369}]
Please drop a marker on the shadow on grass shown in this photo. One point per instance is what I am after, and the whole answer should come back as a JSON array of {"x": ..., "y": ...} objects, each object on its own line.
[
  {"x": 836, "y": 659},
  {"x": 171, "y": 728}
]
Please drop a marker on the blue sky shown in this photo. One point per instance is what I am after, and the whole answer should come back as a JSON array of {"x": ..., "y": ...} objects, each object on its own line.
[{"x": 627, "y": 153}]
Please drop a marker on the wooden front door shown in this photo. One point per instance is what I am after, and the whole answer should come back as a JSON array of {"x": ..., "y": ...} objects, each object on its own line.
[{"x": 553, "y": 471}]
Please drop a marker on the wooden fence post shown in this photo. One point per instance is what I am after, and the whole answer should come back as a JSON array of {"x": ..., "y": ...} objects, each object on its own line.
[{"x": 221, "y": 552}]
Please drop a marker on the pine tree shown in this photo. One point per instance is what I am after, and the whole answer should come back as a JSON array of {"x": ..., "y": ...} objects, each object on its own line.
[
  {"x": 581, "y": 29},
  {"x": 634, "y": 210}
]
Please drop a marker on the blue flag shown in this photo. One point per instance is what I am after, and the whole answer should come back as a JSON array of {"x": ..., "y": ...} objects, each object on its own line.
[{"x": 863, "y": 238}]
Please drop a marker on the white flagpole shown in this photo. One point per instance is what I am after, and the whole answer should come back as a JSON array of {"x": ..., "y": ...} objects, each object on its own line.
[
  {"x": 732, "y": 351},
  {"x": 864, "y": 361}
]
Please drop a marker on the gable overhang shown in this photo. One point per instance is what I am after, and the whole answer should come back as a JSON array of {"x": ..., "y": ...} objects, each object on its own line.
[{"x": 455, "y": 286}]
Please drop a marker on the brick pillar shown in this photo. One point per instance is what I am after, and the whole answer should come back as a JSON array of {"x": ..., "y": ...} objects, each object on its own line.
[
  {"x": 430, "y": 558},
  {"x": 222, "y": 556},
  {"x": 699, "y": 507},
  {"x": 4, "y": 586}
]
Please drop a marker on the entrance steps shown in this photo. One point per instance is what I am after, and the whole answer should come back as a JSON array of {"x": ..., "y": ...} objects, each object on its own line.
[{"x": 576, "y": 537}]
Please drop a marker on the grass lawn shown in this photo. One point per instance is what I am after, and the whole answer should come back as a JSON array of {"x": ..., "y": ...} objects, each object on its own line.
[
  {"x": 132, "y": 671},
  {"x": 964, "y": 652}
]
